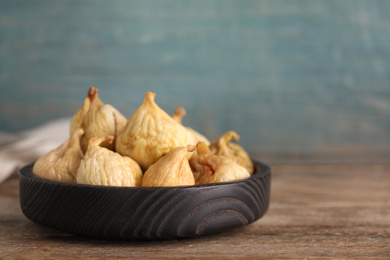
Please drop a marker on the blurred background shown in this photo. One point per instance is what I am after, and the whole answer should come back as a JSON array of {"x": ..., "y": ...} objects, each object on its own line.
[{"x": 298, "y": 80}]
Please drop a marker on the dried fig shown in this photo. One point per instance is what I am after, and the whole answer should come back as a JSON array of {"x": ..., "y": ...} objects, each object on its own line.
[
  {"x": 102, "y": 166},
  {"x": 172, "y": 169},
  {"x": 97, "y": 119},
  {"x": 61, "y": 164},
  {"x": 222, "y": 146},
  {"x": 151, "y": 133},
  {"x": 211, "y": 168}
]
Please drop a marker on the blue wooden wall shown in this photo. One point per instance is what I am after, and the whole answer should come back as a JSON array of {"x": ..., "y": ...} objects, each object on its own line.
[{"x": 289, "y": 76}]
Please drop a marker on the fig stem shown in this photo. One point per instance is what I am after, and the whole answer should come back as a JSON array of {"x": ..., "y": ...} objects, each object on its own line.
[
  {"x": 92, "y": 93},
  {"x": 150, "y": 96},
  {"x": 179, "y": 114},
  {"x": 227, "y": 137}
]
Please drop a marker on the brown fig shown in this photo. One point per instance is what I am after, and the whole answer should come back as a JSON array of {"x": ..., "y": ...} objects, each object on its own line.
[
  {"x": 172, "y": 169},
  {"x": 222, "y": 146},
  {"x": 61, "y": 164},
  {"x": 151, "y": 133},
  {"x": 211, "y": 168},
  {"x": 97, "y": 119},
  {"x": 102, "y": 166}
]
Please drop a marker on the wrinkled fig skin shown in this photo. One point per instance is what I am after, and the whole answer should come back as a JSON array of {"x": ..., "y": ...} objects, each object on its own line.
[
  {"x": 173, "y": 169},
  {"x": 102, "y": 166},
  {"x": 211, "y": 168},
  {"x": 97, "y": 119},
  {"x": 222, "y": 146},
  {"x": 61, "y": 164},
  {"x": 151, "y": 133},
  {"x": 178, "y": 116}
]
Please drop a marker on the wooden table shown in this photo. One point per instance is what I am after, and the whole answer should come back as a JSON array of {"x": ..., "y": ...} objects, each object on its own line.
[{"x": 316, "y": 211}]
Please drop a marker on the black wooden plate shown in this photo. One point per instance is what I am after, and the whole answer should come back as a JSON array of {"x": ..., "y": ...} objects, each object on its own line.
[{"x": 142, "y": 212}]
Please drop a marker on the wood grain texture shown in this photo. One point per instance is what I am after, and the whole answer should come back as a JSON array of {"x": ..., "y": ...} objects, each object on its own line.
[
  {"x": 290, "y": 77},
  {"x": 317, "y": 211},
  {"x": 144, "y": 213}
]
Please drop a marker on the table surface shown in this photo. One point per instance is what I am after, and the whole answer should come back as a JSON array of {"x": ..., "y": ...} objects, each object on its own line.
[{"x": 317, "y": 210}]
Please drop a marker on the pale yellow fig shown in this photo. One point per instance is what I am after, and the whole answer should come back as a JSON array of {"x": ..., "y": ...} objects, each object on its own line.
[
  {"x": 178, "y": 116},
  {"x": 173, "y": 169},
  {"x": 61, "y": 164},
  {"x": 97, "y": 119},
  {"x": 222, "y": 146},
  {"x": 102, "y": 166},
  {"x": 151, "y": 133},
  {"x": 211, "y": 168}
]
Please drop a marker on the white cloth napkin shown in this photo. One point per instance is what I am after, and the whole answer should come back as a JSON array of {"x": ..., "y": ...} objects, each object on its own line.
[{"x": 26, "y": 147}]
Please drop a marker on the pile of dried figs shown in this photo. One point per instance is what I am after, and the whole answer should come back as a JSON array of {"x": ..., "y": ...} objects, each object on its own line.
[{"x": 149, "y": 149}]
